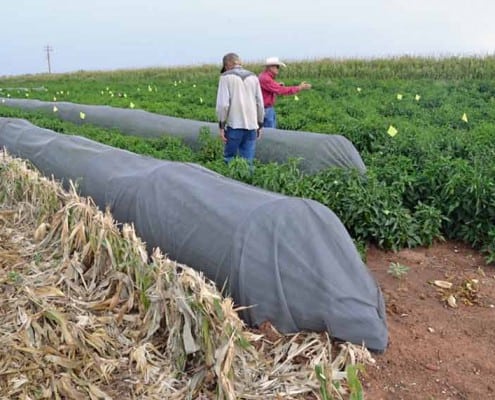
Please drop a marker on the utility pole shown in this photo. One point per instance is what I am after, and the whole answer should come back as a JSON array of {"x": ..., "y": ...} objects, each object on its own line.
[{"x": 48, "y": 49}]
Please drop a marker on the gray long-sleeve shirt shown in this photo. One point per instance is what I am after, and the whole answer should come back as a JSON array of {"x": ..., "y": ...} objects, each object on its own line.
[{"x": 239, "y": 99}]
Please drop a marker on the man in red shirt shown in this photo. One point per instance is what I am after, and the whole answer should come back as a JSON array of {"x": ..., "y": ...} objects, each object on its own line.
[{"x": 270, "y": 88}]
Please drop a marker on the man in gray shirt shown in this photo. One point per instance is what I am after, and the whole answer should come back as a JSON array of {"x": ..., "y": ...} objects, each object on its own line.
[{"x": 239, "y": 109}]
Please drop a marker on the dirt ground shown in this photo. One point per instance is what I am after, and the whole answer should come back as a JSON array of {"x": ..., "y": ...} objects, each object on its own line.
[{"x": 436, "y": 350}]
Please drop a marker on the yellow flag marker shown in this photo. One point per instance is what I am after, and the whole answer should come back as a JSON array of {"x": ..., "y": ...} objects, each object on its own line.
[
  {"x": 464, "y": 117},
  {"x": 417, "y": 97},
  {"x": 102, "y": 92},
  {"x": 150, "y": 89},
  {"x": 132, "y": 105},
  {"x": 392, "y": 131},
  {"x": 358, "y": 89},
  {"x": 27, "y": 94},
  {"x": 8, "y": 94},
  {"x": 296, "y": 98},
  {"x": 125, "y": 95},
  {"x": 399, "y": 96},
  {"x": 61, "y": 92},
  {"x": 55, "y": 109},
  {"x": 54, "y": 98},
  {"x": 194, "y": 85},
  {"x": 201, "y": 100},
  {"x": 82, "y": 115}
]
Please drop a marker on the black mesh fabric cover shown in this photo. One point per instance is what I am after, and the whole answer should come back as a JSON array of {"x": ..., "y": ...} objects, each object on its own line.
[
  {"x": 318, "y": 151},
  {"x": 289, "y": 258}
]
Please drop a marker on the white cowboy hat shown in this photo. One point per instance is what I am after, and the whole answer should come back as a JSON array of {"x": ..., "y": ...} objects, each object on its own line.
[{"x": 274, "y": 61}]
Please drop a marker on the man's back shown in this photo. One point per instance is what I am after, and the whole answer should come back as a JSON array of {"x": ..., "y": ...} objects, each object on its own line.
[{"x": 239, "y": 99}]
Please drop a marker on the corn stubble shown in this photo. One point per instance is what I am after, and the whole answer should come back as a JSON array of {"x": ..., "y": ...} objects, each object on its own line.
[{"x": 86, "y": 314}]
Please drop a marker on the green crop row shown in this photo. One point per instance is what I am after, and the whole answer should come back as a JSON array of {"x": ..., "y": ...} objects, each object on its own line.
[{"x": 376, "y": 208}]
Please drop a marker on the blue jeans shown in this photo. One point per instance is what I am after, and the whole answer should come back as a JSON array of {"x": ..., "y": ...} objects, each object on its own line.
[
  {"x": 239, "y": 142},
  {"x": 270, "y": 120}
]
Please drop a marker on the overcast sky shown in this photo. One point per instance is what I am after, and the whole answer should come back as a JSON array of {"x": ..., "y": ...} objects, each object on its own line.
[{"x": 115, "y": 34}]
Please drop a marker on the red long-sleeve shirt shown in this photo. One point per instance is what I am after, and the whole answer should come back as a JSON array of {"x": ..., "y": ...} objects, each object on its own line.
[{"x": 271, "y": 88}]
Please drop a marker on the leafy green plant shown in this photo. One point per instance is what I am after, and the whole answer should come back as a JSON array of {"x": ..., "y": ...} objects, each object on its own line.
[
  {"x": 355, "y": 386},
  {"x": 240, "y": 169},
  {"x": 397, "y": 270},
  {"x": 211, "y": 147},
  {"x": 14, "y": 277},
  {"x": 281, "y": 178},
  {"x": 489, "y": 247},
  {"x": 325, "y": 391}
]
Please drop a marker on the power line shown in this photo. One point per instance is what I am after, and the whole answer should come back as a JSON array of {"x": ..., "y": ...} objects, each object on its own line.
[{"x": 48, "y": 50}]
